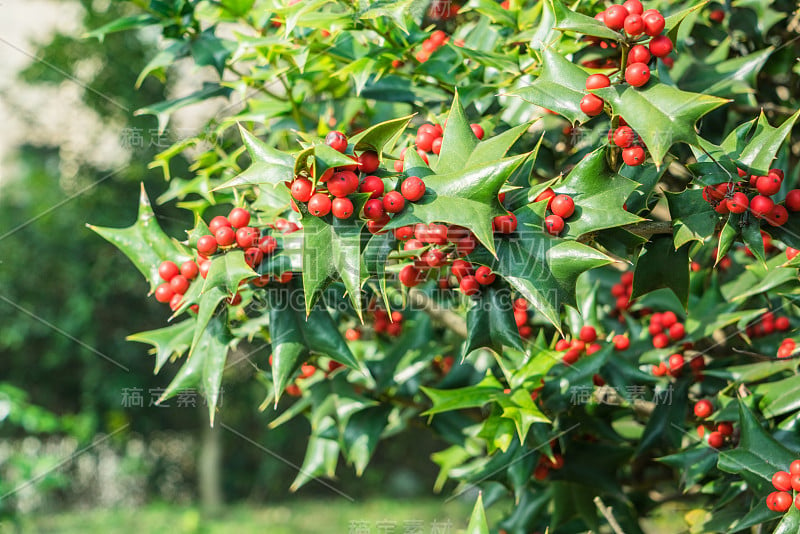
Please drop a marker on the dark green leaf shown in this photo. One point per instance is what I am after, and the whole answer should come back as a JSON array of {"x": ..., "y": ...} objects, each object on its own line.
[
  {"x": 650, "y": 272},
  {"x": 490, "y": 322},
  {"x": 693, "y": 218}
]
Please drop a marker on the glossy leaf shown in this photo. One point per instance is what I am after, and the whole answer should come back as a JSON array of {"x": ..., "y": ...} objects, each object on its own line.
[
  {"x": 660, "y": 114},
  {"x": 693, "y": 219},
  {"x": 268, "y": 166},
  {"x": 559, "y": 87},
  {"x": 168, "y": 341},
  {"x": 144, "y": 242},
  {"x": 650, "y": 274},
  {"x": 490, "y": 322}
]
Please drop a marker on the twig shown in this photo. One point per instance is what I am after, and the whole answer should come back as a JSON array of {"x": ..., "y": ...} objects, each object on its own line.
[
  {"x": 450, "y": 319},
  {"x": 606, "y": 511}
]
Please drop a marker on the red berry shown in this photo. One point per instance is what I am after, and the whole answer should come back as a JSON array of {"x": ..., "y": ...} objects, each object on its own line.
[
  {"x": 410, "y": 276},
  {"x": 637, "y": 74},
  {"x": 588, "y": 334},
  {"x": 373, "y": 209},
  {"x": 319, "y": 205},
  {"x": 337, "y": 141},
  {"x": 253, "y": 257},
  {"x": 639, "y": 54},
  {"x": 781, "y": 502},
  {"x": 302, "y": 189},
  {"x": 372, "y": 185},
  {"x": 623, "y": 136},
  {"x": 393, "y": 202},
  {"x": 206, "y": 245},
  {"x": 615, "y": 16},
  {"x": 597, "y": 81},
  {"x": 634, "y": 7},
  {"x": 436, "y": 146},
  {"x": 434, "y": 257},
  {"x": 592, "y": 105},
  {"x": 725, "y": 428},
  {"x": 548, "y": 194},
  {"x": 553, "y": 224},
  {"x": 768, "y": 185},
  {"x": 343, "y": 183},
  {"x": 225, "y": 236},
  {"x": 469, "y": 285},
  {"x": 738, "y": 203},
  {"x": 660, "y": 46},
  {"x": 239, "y": 217},
  {"x": 676, "y": 362},
  {"x": 267, "y": 245},
  {"x": 677, "y": 331},
  {"x": 368, "y": 162},
  {"x": 189, "y": 270},
  {"x": 179, "y": 284},
  {"x": 342, "y": 208},
  {"x": 782, "y": 481},
  {"x": 168, "y": 270},
  {"x": 203, "y": 267},
  {"x": 660, "y": 341},
  {"x": 717, "y": 15},
  {"x": 563, "y": 206},
  {"x": 571, "y": 356},
  {"x": 760, "y": 206},
  {"x": 505, "y": 224},
  {"x": 247, "y": 237},
  {"x": 703, "y": 408},
  {"x": 477, "y": 130},
  {"x": 621, "y": 342},
  {"x": 412, "y": 188},
  {"x": 352, "y": 334},
  {"x": 164, "y": 293},
  {"x": 777, "y": 216},
  {"x": 424, "y": 140},
  {"x": 633, "y": 156},
  {"x": 175, "y": 302},
  {"x": 218, "y": 222},
  {"x": 461, "y": 268},
  {"x": 634, "y": 25},
  {"x": 653, "y": 23},
  {"x": 794, "y": 467},
  {"x": 716, "y": 440},
  {"x": 485, "y": 276},
  {"x": 793, "y": 200}
]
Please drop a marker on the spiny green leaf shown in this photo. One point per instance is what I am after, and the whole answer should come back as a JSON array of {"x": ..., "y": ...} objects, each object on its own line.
[
  {"x": 477, "y": 521},
  {"x": 380, "y": 137},
  {"x": 490, "y": 322},
  {"x": 559, "y": 87},
  {"x": 650, "y": 274},
  {"x": 268, "y": 166},
  {"x": 466, "y": 198},
  {"x": 227, "y": 271},
  {"x": 693, "y": 218},
  {"x": 662, "y": 115},
  {"x": 458, "y": 140},
  {"x": 598, "y": 193},
  {"x": 541, "y": 267},
  {"x": 144, "y": 242},
  {"x": 174, "y": 339}
]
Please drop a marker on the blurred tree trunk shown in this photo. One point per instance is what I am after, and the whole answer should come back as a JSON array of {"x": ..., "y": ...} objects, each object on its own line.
[{"x": 209, "y": 468}]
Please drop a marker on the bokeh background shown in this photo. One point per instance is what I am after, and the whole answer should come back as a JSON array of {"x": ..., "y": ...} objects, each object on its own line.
[{"x": 82, "y": 447}]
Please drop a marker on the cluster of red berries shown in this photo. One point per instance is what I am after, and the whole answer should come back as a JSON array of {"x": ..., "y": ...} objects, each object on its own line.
[
  {"x": 785, "y": 482},
  {"x": 622, "y": 292},
  {"x": 561, "y": 207},
  {"x": 768, "y": 324},
  {"x": 585, "y": 344},
  {"x": 665, "y": 327},
  {"x": 723, "y": 431},
  {"x": 431, "y": 44},
  {"x": 733, "y": 197},
  {"x": 632, "y": 146},
  {"x": 389, "y": 324},
  {"x": 436, "y": 246},
  {"x": 521, "y": 318},
  {"x": 546, "y": 464},
  {"x": 676, "y": 364},
  {"x": 429, "y": 141},
  {"x": 176, "y": 282},
  {"x": 787, "y": 347}
]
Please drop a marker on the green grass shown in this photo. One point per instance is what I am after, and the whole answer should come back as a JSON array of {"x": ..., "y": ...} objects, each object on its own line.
[{"x": 299, "y": 517}]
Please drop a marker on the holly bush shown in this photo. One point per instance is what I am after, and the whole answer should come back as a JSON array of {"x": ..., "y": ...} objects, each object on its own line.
[{"x": 563, "y": 238}]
